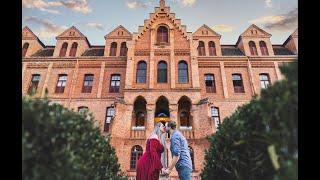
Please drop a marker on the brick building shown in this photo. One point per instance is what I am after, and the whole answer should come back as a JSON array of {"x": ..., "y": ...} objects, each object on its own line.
[{"x": 162, "y": 70}]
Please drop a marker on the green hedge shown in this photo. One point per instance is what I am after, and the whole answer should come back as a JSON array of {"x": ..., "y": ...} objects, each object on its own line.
[
  {"x": 58, "y": 143},
  {"x": 259, "y": 140}
]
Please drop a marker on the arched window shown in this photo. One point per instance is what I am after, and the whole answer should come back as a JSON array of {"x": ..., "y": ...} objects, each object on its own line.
[
  {"x": 113, "y": 49},
  {"x": 253, "y": 48},
  {"x": 264, "y": 80},
  {"x": 73, "y": 49},
  {"x": 63, "y": 50},
  {"x": 61, "y": 84},
  {"x": 237, "y": 83},
  {"x": 109, "y": 116},
  {"x": 263, "y": 48},
  {"x": 123, "y": 49},
  {"x": 192, "y": 156},
  {"x": 142, "y": 72},
  {"x": 201, "y": 49},
  {"x": 162, "y": 72},
  {"x": 184, "y": 107},
  {"x": 215, "y": 116},
  {"x": 162, "y": 35},
  {"x": 25, "y": 49},
  {"x": 212, "y": 49},
  {"x": 114, "y": 83},
  {"x": 183, "y": 72},
  {"x": 140, "y": 112},
  {"x": 136, "y": 153},
  {"x": 210, "y": 83}
]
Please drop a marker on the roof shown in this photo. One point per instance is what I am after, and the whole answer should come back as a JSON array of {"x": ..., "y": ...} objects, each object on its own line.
[
  {"x": 231, "y": 50},
  {"x": 94, "y": 51},
  {"x": 280, "y": 50},
  {"x": 45, "y": 52}
]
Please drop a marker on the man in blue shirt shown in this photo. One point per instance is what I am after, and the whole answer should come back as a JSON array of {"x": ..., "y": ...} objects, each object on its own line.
[{"x": 180, "y": 153}]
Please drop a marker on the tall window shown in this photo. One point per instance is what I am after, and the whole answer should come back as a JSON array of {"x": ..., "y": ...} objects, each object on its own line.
[
  {"x": 162, "y": 72},
  {"x": 73, "y": 49},
  {"x": 184, "y": 108},
  {"x": 61, "y": 84},
  {"x": 142, "y": 72},
  {"x": 83, "y": 109},
  {"x": 264, "y": 80},
  {"x": 140, "y": 111},
  {"x": 123, "y": 49},
  {"x": 253, "y": 48},
  {"x": 136, "y": 153},
  {"x": 192, "y": 156},
  {"x": 264, "y": 49},
  {"x": 113, "y": 49},
  {"x": 210, "y": 83},
  {"x": 162, "y": 35},
  {"x": 183, "y": 72},
  {"x": 34, "y": 83},
  {"x": 237, "y": 83},
  {"x": 109, "y": 116},
  {"x": 212, "y": 49},
  {"x": 25, "y": 49},
  {"x": 87, "y": 83},
  {"x": 215, "y": 116},
  {"x": 114, "y": 83},
  {"x": 201, "y": 49},
  {"x": 63, "y": 50}
]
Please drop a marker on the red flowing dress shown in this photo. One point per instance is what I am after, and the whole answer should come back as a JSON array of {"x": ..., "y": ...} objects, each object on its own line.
[{"x": 149, "y": 165}]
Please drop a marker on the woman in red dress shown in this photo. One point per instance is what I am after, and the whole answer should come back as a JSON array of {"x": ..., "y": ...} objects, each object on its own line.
[{"x": 149, "y": 165}]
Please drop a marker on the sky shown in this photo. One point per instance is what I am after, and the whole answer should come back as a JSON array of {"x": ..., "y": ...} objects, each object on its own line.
[{"x": 96, "y": 18}]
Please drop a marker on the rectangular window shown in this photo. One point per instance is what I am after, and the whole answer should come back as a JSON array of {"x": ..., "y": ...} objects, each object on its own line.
[
  {"x": 215, "y": 116},
  {"x": 109, "y": 116},
  {"x": 210, "y": 83},
  {"x": 61, "y": 84},
  {"x": 237, "y": 83},
  {"x": 87, "y": 83},
  {"x": 34, "y": 83},
  {"x": 264, "y": 81},
  {"x": 114, "y": 84}
]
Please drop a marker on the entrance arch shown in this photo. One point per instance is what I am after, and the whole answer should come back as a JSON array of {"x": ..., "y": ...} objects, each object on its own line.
[{"x": 162, "y": 107}]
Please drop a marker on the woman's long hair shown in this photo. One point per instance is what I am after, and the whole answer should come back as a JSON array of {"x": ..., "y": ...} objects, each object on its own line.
[{"x": 162, "y": 139}]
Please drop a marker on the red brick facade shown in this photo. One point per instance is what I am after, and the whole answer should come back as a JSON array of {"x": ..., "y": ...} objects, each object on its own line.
[{"x": 143, "y": 45}]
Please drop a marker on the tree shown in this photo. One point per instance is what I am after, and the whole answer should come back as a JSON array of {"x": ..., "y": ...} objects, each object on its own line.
[
  {"x": 259, "y": 140},
  {"x": 58, "y": 143}
]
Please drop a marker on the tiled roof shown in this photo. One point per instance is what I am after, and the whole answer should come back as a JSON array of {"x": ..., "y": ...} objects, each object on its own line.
[
  {"x": 280, "y": 50},
  {"x": 230, "y": 50},
  {"x": 94, "y": 52},
  {"x": 46, "y": 52}
]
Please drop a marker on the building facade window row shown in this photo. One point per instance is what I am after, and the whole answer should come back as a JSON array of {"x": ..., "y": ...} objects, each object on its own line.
[
  {"x": 263, "y": 48},
  {"x": 202, "y": 50},
  {"x": 73, "y": 50},
  {"x": 123, "y": 49}
]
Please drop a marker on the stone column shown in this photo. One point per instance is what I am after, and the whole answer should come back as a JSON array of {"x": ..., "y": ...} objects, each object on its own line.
[
  {"x": 151, "y": 61},
  {"x": 150, "y": 119},
  {"x": 172, "y": 61},
  {"x": 103, "y": 65},
  {"x": 46, "y": 80},
  {"x": 224, "y": 80},
  {"x": 253, "y": 88},
  {"x": 73, "y": 82},
  {"x": 130, "y": 65},
  {"x": 194, "y": 66}
]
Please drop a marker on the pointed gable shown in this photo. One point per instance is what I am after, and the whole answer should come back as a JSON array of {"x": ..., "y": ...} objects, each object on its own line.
[
  {"x": 255, "y": 31},
  {"x": 28, "y": 34},
  {"x": 205, "y": 31},
  {"x": 119, "y": 32},
  {"x": 72, "y": 32}
]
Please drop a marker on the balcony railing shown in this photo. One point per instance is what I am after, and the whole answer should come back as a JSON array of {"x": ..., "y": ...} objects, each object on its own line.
[
  {"x": 187, "y": 132},
  {"x": 138, "y": 133}
]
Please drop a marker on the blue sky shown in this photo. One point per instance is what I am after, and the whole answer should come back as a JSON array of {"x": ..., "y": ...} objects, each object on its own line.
[{"x": 95, "y": 18}]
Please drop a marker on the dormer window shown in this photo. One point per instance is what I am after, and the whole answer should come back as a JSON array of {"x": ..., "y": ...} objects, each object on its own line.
[
  {"x": 123, "y": 49},
  {"x": 73, "y": 50},
  {"x": 201, "y": 49},
  {"x": 212, "y": 49},
  {"x": 162, "y": 35},
  {"x": 263, "y": 48},
  {"x": 63, "y": 50},
  {"x": 113, "y": 49},
  {"x": 253, "y": 48},
  {"x": 25, "y": 49}
]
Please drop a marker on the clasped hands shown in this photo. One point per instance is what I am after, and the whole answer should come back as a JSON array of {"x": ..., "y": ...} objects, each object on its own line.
[{"x": 165, "y": 171}]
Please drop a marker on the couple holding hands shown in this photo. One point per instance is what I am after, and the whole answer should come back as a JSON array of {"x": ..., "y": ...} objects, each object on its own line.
[{"x": 149, "y": 165}]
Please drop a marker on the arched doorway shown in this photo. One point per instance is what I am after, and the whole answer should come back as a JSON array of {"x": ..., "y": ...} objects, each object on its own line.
[
  {"x": 184, "y": 114},
  {"x": 139, "y": 112}
]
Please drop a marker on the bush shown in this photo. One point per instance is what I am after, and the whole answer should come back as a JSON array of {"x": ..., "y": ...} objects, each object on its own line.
[
  {"x": 58, "y": 143},
  {"x": 260, "y": 140}
]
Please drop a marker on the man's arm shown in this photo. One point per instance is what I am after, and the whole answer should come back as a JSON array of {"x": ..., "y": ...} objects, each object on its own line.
[{"x": 176, "y": 150}]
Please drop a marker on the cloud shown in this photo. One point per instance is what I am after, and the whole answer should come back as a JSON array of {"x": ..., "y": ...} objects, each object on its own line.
[
  {"x": 223, "y": 28},
  {"x": 74, "y": 5},
  {"x": 133, "y": 4},
  {"x": 95, "y": 25},
  {"x": 285, "y": 22},
  {"x": 268, "y": 3},
  {"x": 185, "y": 2},
  {"x": 48, "y": 29}
]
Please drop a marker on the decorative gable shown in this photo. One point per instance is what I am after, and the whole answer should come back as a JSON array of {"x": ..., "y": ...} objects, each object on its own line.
[
  {"x": 255, "y": 31},
  {"x": 70, "y": 33},
  {"x": 205, "y": 31},
  {"x": 119, "y": 32},
  {"x": 27, "y": 34}
]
